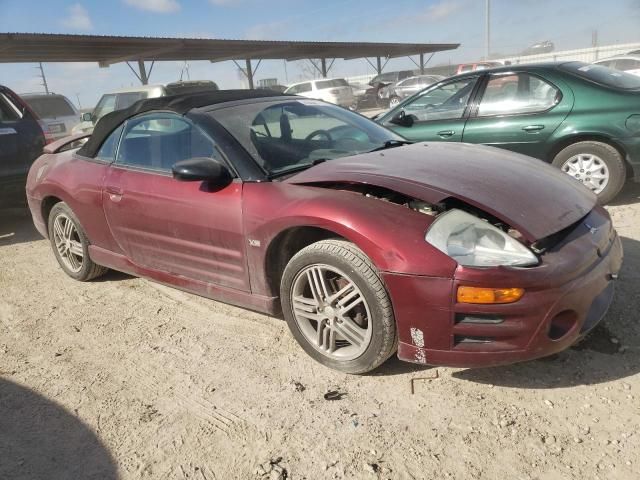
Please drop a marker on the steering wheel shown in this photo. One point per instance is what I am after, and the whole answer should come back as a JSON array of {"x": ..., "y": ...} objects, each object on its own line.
[{"x": 315, "y": 133}]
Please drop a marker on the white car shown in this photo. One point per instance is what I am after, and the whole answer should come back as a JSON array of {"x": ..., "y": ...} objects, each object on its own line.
[
  {"x": 624, "y": 63},
  {"x": 56, "y": 114},
  {"x": 126, "y": 97},
  {"x": 334, "y": 90},
  {"x": 117, "y": 100}
]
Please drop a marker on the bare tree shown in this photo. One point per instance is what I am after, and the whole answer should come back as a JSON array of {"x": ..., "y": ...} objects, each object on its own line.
[{"x": 307, "y": 70}]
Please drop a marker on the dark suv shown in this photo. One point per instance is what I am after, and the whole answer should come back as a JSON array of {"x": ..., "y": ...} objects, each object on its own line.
[
  {"x": 372, "y": 97},
  {"x": 21, "y": 141}
]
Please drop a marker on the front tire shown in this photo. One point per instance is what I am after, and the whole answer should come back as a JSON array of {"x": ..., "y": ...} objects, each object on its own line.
[
  {"x": 337, "y": 308},
  {"x": 597, "y": 165},
  {"x": 394, "y": 102},
  {"x": 70, "y": 244}
]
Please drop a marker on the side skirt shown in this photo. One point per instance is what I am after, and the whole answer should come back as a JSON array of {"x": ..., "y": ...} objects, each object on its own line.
[{"x": 258, "y": 303}]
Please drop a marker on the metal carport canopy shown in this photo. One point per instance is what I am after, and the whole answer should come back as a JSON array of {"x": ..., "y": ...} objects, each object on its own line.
[{"x": 108, "y": 50}]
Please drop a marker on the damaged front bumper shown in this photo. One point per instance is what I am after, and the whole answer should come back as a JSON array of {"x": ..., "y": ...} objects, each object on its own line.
[{"x": 565, "y": 297}]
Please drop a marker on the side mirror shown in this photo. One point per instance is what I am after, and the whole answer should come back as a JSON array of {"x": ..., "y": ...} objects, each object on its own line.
[
  {"x": 202, "y": 169},
  {"x": 402, "y": 119},
  {"x": 87, "y": 117}
]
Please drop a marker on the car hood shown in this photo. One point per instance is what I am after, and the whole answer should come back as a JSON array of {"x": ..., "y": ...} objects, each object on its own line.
[{"x": 527, "y": 194}]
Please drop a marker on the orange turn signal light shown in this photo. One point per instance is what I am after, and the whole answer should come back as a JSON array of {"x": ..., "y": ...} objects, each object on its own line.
[{"x": 489, "y": 295}]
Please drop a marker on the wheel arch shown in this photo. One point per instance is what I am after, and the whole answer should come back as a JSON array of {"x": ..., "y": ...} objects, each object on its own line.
[
  {"x": 47, "y": 205},
  {"x": 285, "y": 245},
  {"x": 564, "y": 142}
]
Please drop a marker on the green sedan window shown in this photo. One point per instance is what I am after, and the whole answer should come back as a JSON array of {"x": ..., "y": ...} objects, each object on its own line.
[
  {"x": 445, "y": 102},
  {"x": 603, "y": 75},
  {"x": 517, "y": 93}
]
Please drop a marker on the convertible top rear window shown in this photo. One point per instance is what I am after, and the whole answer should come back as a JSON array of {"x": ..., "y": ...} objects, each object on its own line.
[{"x": 603, "y": 75}]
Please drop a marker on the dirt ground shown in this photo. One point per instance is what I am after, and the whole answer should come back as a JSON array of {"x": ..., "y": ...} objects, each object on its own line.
[{"x": 124, "y": 379}]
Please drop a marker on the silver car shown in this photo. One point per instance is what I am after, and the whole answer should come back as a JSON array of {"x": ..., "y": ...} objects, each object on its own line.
[
  {"x": 56, "y": 114},
  {"x": 396, "y": 92},
  {"x": 332, "y": 90},
  {"x": 625, "y": 63}
]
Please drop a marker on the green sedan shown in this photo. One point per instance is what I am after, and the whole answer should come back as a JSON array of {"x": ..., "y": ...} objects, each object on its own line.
[{"x": 582, "y": 118}]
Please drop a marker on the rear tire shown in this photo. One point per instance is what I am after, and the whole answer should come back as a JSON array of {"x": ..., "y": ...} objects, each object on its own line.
[
  {"x": 70, "y": 244},
  {"x": 599, "y": 159},
  {"x": 319, "y": 322}
]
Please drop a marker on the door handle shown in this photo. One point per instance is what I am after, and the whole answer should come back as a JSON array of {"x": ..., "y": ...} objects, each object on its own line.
[
  {"x": 533, "y": 128},
  {"x": 446, "y": 133},
  {"x": 115, "y": 193}
]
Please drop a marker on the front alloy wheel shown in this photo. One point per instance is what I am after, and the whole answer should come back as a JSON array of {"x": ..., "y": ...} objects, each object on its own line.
[
  {"x": 337, "y": 307},
  {"x": 331, "y": 312}
]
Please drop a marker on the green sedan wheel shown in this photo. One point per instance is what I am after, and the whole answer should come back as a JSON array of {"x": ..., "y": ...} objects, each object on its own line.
[{"x": 598, "y": 166}]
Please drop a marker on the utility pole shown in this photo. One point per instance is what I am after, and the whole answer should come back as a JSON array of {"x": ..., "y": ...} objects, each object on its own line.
[
  {"x": 44, "y": 79},
  {"x": 487, "y": 48}
]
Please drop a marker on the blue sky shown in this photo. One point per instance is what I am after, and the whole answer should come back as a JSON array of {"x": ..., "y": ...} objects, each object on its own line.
[{"x": 516, "y": 24}]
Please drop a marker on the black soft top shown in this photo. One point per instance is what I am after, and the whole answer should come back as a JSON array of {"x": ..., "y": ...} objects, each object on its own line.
[{"x": 180, "y": 104}]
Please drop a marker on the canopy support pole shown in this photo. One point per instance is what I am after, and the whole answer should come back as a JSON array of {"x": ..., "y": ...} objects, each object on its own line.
[
  {"x": 144, "y": 78},
  {"x": 422, "y": 63},
  {"x": 249, "y": 73}
]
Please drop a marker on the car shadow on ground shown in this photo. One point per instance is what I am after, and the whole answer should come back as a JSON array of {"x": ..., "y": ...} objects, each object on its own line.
[
  {"x": 16, "y": 227},
  {"x": 611, "y": 352},
  {"x": 39, "y": 439},
  {"x": 629, "y": 195},
  {"x": 395, "y": 366}
]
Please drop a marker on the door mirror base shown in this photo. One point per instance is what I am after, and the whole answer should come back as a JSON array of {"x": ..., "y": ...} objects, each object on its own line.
[{"x": 402, "y": 119}]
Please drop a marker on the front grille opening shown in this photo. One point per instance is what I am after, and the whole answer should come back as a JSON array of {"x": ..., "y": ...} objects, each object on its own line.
[
  {"x": 466, "y": 339},
  {"x": 562, "y": 324},
  {"x": 466, "y": 318}
]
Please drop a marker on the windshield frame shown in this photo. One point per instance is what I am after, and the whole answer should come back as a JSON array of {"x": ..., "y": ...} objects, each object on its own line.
[{"x": 219, "y": 112}]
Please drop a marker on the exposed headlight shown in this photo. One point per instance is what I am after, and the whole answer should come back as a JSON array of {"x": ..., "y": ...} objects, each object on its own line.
[{"x": 474, "y": 242}]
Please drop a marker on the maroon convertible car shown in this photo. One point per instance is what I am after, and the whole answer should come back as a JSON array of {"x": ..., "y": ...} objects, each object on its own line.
[{"x": 448, "y": 254}]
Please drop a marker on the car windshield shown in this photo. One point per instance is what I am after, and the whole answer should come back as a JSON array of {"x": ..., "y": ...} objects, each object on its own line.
[
  {"x": 50, "y": 107},
  {"x": 603, "y": 75},
  {"x": 107, "y": 104},
  {"x": 125, "y": 100},
  {"x": 338, "y": 82},
  {"x": 285, "y": 136}
]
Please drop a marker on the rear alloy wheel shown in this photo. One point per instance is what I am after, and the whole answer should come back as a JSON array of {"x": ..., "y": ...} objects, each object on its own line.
[
  {"x": 337, "y": 307},
  {"x": 70, "y": 244},
  {"x": 394, "y": 102},
  {"x": 598, "y": 166}
]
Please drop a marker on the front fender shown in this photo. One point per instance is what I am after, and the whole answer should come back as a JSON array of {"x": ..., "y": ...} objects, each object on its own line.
[{"x": 391, "y": 235}]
